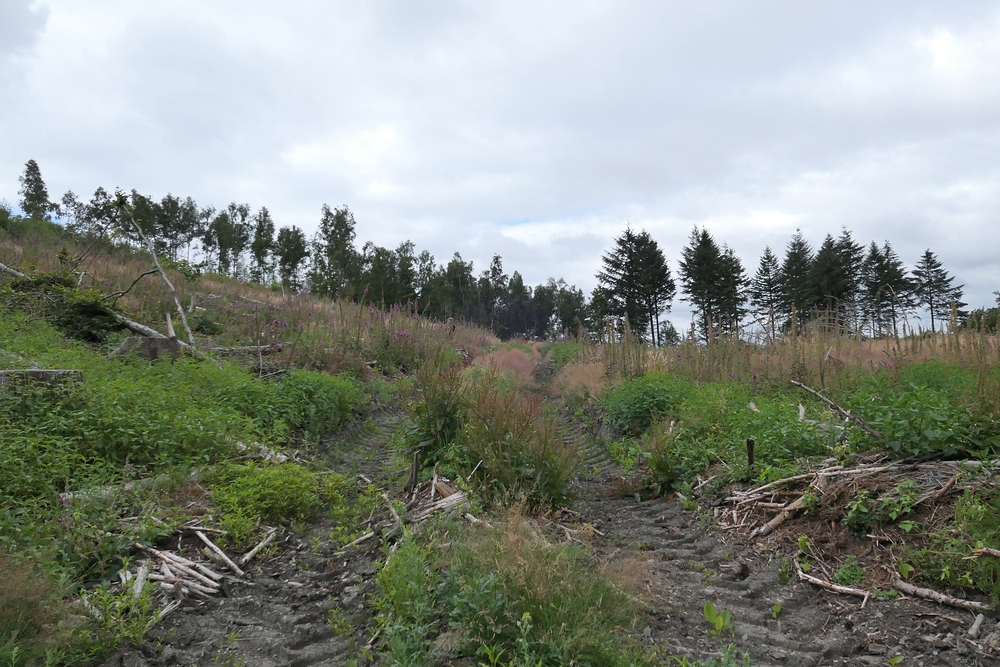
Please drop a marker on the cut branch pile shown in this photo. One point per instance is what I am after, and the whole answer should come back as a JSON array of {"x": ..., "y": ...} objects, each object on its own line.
[
  {"x": 437, "y": 494},
  {"x": 766, "y": 515}
]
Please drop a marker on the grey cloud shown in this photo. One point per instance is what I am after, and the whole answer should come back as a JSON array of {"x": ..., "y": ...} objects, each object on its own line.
[
  {"x": 21, "y": 23},
  {"x": 569, "y": 117}
]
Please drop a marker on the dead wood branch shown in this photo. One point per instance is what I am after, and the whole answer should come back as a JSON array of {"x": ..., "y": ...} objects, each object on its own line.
[
  {"x": 367, "y": 536},
  {"x": 114, "y": 296},
  {"x": 450, "y": 502},
  {"x": 163, "y": 275},
  {"x": 392, "y": 509},
  {"x": 248, "y": 556},
  {"x": 839, "y": 410},
  {"x": 935, "y": 496},
  {"x": 220, "y": 553},
  {"x": 14, "y": 272},
  {"x": 940, "y": 598},
  {"x": 791, "y": 510},
  {"x": 142, "y": 329},
  {"x": 985, "y": 551},
  {"x": 836, "y": 588}
]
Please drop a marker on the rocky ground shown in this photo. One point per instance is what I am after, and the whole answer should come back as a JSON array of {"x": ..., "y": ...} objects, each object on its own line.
[{"x": 308, "y": 605}]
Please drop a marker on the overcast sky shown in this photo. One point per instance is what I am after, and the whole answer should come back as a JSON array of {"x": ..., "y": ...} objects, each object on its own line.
[{"x": 535, "y": 130}]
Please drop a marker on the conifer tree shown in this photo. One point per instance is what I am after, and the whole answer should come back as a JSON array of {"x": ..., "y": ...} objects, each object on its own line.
[
  {"x": 34, "y": 195},
  {"x": 797, "y": 292},
  {"x": 714, "y": 282},
  {"x": 933, "y": 289},
  {"x": 887, "y": 290},
  {"x": 635, "y": 282},
  {"x": 765, "y": 290}
]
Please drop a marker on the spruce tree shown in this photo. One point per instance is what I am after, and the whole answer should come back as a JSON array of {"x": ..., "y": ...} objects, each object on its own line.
[
  {"x": 933, "y": 289},
  {"x": 852, "y": 257},
  {"x": 765, "y": 290},
  {"x": 887, "y": 290},
  {"x": 635, "y": 282},
  {"x": 34, "y": 195},
  {"x": 714, "y": 283},
  {"x": 797, "y": 291}
]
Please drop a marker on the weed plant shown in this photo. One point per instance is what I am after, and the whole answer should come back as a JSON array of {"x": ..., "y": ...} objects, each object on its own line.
[
  {"x": 500, "y": 440},
  {"x": 946, "y": 556},
  {"x": 504, "y": 596}
]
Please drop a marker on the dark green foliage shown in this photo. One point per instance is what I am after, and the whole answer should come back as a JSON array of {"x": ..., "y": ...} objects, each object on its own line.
[
  {"x": 262, "y": 246},
  {"x": 797, "y": 289},
  {"x": 507, "y": 598},
  {"x": 887, "y": 291},
  {"x": 765, "y": 291},
  {"x": 634, "y": 405},
  {"x": 34, "y": 195},
  {"x": 336, "y": 263},
  {"x": 292, "y": 250},
  {"x": 933, "y": 289},
  {"x": 81, "y": 314},
  {"x": 635, "y": 282},
  {"x": 714, "y": 284}
]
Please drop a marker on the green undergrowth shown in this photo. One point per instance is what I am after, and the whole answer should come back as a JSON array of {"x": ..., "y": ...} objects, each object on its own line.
[
  {"x": 502, "y": 597},
  {"x": 504, "y": 443},
  {"x": 254, "y": 494},
  {"x": 675, "y": 427},
  {"x": 946, "y": 557},
  {"x": 561, "y": 354},
  {"x": 89, "y": 468}
]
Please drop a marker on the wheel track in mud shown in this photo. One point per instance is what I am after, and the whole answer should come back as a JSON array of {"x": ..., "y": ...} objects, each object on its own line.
[
  {"x": 687, "y": 564},
  {"x": 279, "y": 616}
]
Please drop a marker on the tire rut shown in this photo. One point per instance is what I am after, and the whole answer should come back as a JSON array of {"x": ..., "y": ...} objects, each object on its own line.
[{"x": 687, "y": 563}]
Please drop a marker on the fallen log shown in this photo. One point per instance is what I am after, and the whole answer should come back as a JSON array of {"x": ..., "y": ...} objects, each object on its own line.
[{"x": 935, "y": 596}]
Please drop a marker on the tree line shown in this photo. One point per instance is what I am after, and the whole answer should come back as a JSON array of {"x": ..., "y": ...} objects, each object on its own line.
[{"x": 843, "y": 285}]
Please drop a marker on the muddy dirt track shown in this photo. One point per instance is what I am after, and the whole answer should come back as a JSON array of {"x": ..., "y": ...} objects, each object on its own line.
[{"x": 279, "y": 615}]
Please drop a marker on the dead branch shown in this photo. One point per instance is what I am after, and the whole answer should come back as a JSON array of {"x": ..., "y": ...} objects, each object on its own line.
[
  {"x": 248, "y": 556},
  {"x": 363, "y": 538},
  {"x": 836, "y": 588},
  {"x": 14, "y": 272},
  {"x": 392, "y": 509},
  {"x": 940, "y": 598},
  {"x": 935, "y": 496},
  {"x": 790, "y": 510},
  {"x": 114, "y": 296},
  {"x": 142, "y": 329},
  {"x": 985, "y": 551},
  {"x": 445, "y": 503},
  {"x": 839, "y": 410},
  {"x": 220, "y": 553},
  {"x": 163, "y": 274}
]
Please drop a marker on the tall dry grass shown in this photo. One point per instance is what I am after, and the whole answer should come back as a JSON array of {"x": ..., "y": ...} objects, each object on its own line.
[{"x": 311, "y": 331}]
